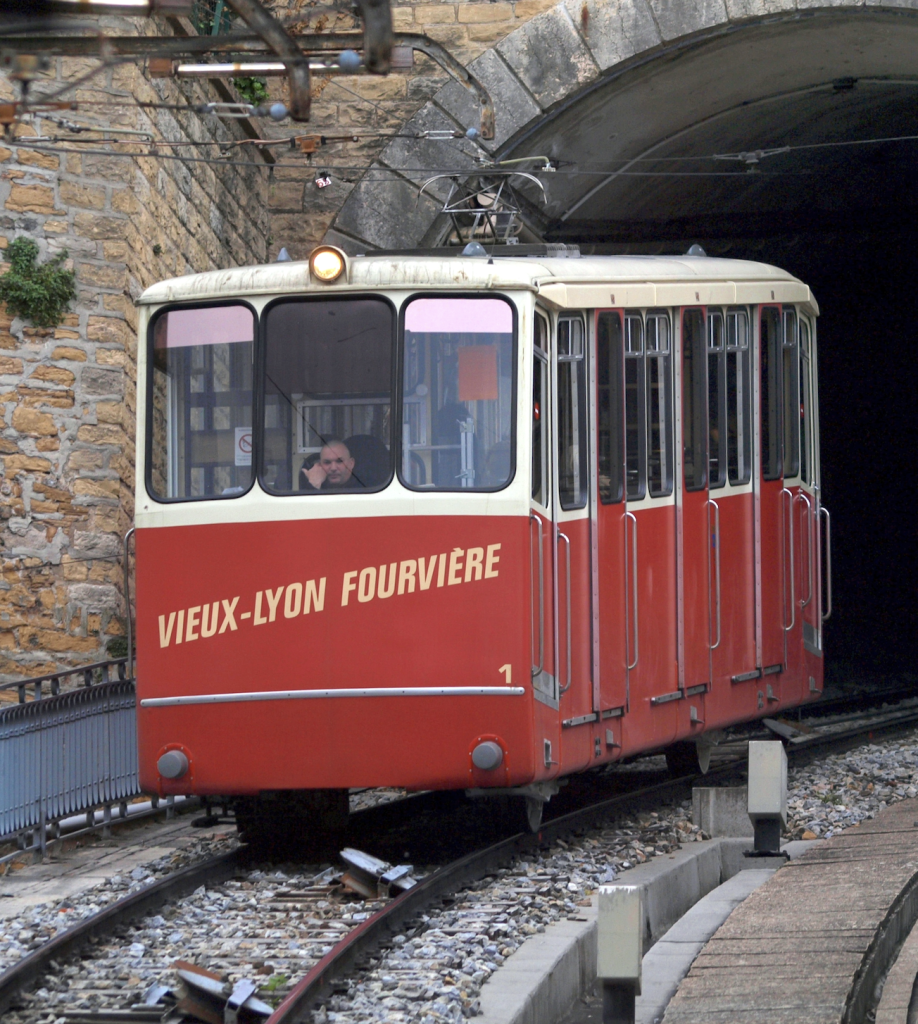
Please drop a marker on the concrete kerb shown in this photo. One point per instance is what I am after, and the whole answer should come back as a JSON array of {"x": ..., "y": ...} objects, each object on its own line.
[{"x": 541, "y": 981}]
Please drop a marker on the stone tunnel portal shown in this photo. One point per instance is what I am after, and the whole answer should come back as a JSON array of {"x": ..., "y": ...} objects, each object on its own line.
[{"x": 648, "y": 143}]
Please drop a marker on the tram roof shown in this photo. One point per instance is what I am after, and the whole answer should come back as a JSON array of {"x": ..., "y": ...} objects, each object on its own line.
[{"x": 587, "y": 281}]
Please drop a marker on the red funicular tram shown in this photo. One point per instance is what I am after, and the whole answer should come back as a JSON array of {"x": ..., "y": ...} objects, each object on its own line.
[{"x": 460, "y": 523}]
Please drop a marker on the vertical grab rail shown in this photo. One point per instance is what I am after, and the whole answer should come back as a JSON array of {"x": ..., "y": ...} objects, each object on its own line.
[
  {"x": 809, "y": 548},
  {"x": 823, "y": 511},
  {"x": 537, "y": 669},
  {"x": 634, "y": 587},
  {"x": 127, "y": 604},
  {"x": 567, "y": 542},
  {"x": 716, "y": 508},
  {"x": 790, "y": 548}
]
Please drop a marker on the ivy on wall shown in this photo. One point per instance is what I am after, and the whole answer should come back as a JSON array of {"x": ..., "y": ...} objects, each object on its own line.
[
  {"x": 255, "y": 90},
  {"x": 37, "y": 292}
]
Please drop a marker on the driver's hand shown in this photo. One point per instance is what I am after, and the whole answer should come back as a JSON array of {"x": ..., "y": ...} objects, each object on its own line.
[{"x": 316, "y": 475}]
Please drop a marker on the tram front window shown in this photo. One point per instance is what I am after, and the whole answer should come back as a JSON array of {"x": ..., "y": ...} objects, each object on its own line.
[
  {"x": 200, "y": 420},
  {"x": 457, "y": 405},
  {"x": 328, "y": 396}
]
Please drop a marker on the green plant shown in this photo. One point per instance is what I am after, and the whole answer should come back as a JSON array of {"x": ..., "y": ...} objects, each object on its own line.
[
  {"x": 37, "y": 293},
  {"x": 269, "y": 989},
  {"x": 254, "y": 90},
  {"x": 117, "y": 647},
  {"x": 211, "y": 17}
]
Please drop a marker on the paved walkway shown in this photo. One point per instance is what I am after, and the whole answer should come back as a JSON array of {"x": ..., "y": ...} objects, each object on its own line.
[
  {"x": 811, "y": 945},
  {"x": 80, "y": 864}
]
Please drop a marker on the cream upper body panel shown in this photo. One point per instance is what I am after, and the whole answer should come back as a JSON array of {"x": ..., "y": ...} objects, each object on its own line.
[
  {"x": 568, "y": 283},
  {"x": 585, "y": 282}
]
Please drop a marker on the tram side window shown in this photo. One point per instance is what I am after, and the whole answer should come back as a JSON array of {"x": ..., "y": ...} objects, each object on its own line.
[
  {"x": 635, "y": 419},
  {"x": 717, "y": 400},
  {"x": 772, "y": 429},
  {"x": 200, "y": 424},
  {"x": 659, "y": 405},
  {"x": 572, "y": 414},
  {"x": 738, "y": 398},
  {"x": 806, "y": 405},
  {"x": 791, "y": 395},
  {"x": 609, "y": 400},
  {"x": 540, "y": 489},
  {"x": 328, "y": 382},
  {"x": 458, "y": 400},
  {"x": 694, "y": 401}
]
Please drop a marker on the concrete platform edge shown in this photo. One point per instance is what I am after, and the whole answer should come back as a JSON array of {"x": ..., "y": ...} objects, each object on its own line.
[
  {"x": 540, "y": 982},
  {"x": 885, "y": 948}
]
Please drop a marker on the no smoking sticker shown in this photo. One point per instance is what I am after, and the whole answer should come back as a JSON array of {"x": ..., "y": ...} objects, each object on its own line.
[{"x": 243, "y": 447}]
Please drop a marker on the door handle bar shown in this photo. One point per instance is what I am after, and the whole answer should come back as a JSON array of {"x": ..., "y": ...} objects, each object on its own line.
[
  {"x": 823, "y": 511},
  {"x": 537, "y": 669},
  {"x": 790, "y": 548},
  {"x": 716, "y": 508},
  {"x": 809, "y": 548},
  {"x": 634, "y": 587},
  {"x": 567, "y": 542}
]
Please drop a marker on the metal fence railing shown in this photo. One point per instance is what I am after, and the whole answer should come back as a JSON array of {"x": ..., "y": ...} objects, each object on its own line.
[
  {"x": 83, "y": 675},
  {"x": 68, "y": 752}
]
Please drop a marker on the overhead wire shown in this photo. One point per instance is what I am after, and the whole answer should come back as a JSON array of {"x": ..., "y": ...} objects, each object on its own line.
[
  {"x": 400, "y": 171},
  {"x": 750, "y": 158}
]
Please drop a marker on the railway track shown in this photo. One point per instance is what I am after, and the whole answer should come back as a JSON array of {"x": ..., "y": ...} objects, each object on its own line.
[{"x": 301, "y": 926}]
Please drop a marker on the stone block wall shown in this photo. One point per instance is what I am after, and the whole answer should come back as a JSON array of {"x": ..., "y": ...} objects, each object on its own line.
[
  {"x": 301, "y": 213},
  {"x": 67, "y": 395},
  {"x": 67, "y": 399}
]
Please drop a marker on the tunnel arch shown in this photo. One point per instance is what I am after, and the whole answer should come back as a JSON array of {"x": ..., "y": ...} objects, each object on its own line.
[
  {"x": 698, "y": 78},
  {"x": 673, "y": 80}
]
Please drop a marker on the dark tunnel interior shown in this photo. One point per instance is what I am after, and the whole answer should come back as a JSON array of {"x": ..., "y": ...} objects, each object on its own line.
[
  {"x": 840, "y": 217},
  {"x": 865, "y": 284}
]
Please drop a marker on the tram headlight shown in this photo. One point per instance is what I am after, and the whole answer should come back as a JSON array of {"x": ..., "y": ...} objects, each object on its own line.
[
  {"x": 487, "y": 756},
  {"x": 173, "y": 764},
  {"x": 327, "y": 263}
]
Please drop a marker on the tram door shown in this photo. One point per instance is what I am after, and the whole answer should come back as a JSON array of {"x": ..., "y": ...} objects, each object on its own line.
[
  {"x": 543, "y": 547},
  {"x": 733, "y": 577},
  {"x": 615, "y": 630},
  {"x": 693, "y": 528},
  {"x": 807, "y": 502},
  {"x": 801, "y": 526},
  {"x": 775, "y": 502},
  {"x": 572, "y": 539}
]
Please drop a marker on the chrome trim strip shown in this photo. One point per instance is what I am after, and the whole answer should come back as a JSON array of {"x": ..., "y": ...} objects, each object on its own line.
[
  {"x": 693, "y": 691},
  {"x": 379, "y": 691},
  {"x": 772, "y": 670},
  {"x": 613, "y": 713}
]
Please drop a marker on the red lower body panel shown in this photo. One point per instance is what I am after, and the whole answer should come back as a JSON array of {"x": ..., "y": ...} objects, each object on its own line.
[{"x": 358, "y": 604}]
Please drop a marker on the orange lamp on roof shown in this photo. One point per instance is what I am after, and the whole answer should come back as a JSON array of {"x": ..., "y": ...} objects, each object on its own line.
[{"x": 327, "y": 263}]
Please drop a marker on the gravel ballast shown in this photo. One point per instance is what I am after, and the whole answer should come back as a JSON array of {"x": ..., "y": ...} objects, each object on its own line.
[{"x": 435, "y": 972}]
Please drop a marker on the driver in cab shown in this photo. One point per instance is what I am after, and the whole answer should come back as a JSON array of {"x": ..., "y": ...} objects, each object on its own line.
[{"x": 333, "y": 471}]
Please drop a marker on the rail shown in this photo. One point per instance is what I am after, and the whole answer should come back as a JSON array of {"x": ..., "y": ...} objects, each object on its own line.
[{"x": 321, "y": 979}]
